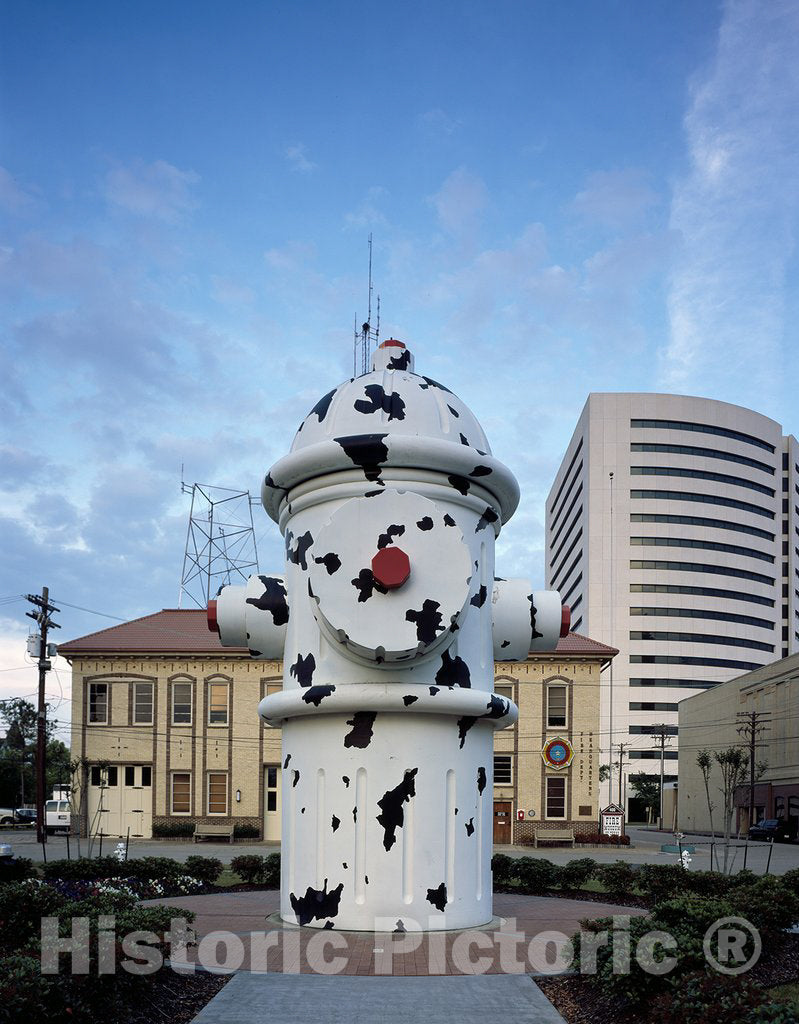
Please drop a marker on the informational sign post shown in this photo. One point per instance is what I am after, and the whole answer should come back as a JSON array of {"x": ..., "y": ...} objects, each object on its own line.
[{"x": 611, "y": 820}]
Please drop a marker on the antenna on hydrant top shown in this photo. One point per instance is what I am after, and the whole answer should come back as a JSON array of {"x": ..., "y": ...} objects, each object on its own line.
[{"x": 365, "y": 335}]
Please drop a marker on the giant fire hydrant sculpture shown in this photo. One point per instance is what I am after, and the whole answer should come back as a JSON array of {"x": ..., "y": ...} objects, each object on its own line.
[{"x": 389, "y": 619}]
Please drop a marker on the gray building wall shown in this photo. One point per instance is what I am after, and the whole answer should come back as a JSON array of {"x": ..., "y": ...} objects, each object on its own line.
[{"x": 686, "y": 559}]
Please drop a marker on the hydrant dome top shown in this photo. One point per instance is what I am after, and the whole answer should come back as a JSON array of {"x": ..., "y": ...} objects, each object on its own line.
[
  {"x": 392, "y": 418},
  {"x": 392, "y": 399}
]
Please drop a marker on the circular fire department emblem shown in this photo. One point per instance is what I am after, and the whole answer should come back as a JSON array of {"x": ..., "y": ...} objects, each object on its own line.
[{"x": 557, "y": 753}]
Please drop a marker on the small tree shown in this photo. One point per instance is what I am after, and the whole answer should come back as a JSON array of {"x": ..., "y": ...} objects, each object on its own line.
[
  {"x": 647, "y": 789},
  {"x": 705, "y": 763},
  {"x": 734, "y": 764}
]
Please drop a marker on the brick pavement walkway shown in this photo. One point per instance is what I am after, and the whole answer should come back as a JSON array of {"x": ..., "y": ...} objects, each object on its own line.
[{"x": 528, "y": 935}]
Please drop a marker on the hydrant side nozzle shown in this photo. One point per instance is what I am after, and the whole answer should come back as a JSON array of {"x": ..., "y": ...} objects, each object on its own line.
[{"x": 213, "y": 625}]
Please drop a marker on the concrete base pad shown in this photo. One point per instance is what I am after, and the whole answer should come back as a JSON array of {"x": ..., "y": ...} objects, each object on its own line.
[{"x": 307, "y": 999}]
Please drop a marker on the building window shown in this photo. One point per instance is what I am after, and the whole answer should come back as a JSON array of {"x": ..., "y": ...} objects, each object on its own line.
[
  {"x": 704, "y": 545},
  {"x": 181, "y": 793},
  {"x": 702, "y": 428},
  {"x": 217, "y": 703},
  {"x": 142, "y": 703},
  {"x": 718, "y": 570},
  {"x": 699, "y": 638},
  {"x": 556, "y": 707},
  {"x": 274, "y": 688},
  {"x": 98, "y": 703},
  {"x": 707, "y": 499},
  {"x": 146, "y": 775},
  {"x": 181, "y": 703},
  {"x": 217, "y": 792},
  {"x": 103, "y": 776},
  {"x": 130, "y": 775},
  {"x": 504, "y": 690},
  {"x": 271, "y": 788},
  {"x": 556, "y": 797},
  {"x": 673, "y": 588},
  {"x": 503, "y": 770}
]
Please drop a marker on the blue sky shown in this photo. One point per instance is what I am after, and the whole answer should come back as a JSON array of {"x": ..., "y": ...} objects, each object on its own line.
[{"x": 563, "y": 197}]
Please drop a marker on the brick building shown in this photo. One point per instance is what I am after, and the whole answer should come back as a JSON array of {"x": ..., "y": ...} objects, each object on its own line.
[{"x": 165, "y": 720}]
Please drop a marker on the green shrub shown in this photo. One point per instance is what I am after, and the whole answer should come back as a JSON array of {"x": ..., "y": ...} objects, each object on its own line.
[
  {"x": 25, "y": 993},
  {"x": 165, "y": 869},
  {"x": 501, "y": 866},
  {"x": 249, "y": 867},
  {"x": 703, "y": 998},
  {"x": 791, "y": 880},
  {"x": 575, "y": 873},
  {"x": 16, "y": 870},
  {"x": 768, "y": 903},
  {"x": 257, "y": 870},
  {"x": 535, "y": 874},
  {"x": 691, "y": 914},
  {"x": 207, "y": 869},
  {"x": 707, "y": 883},
  {"x": 246, "y": 832},
  {"x": 88, "y": 868},
  {"x": 271, "y": 876},
  {"x": 618, "y": 878},
  {"x": 173, "y": 829},
  {"x": 22, "y": 906},
  {"x": 660, "y": 881}
]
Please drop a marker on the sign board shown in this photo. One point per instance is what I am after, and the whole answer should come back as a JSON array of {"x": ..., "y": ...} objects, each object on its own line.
[{"x": 611, "y": 820}]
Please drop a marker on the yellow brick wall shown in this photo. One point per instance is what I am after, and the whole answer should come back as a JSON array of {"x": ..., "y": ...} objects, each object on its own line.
[{"x": 243, "y": 747}]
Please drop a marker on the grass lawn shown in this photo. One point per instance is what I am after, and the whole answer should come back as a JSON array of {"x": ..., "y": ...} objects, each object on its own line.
[
  {"x": 787, "y": 993},
  {"x": 228, "y": 877}
]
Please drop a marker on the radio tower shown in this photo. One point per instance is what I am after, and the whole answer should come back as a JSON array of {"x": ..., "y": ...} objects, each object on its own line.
[
  {"x": 220, "y": 543},
  {"x": 366, "y": 336}
]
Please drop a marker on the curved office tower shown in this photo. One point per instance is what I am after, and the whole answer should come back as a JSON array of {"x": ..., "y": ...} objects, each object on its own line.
[{"x": 686, "y": 558}]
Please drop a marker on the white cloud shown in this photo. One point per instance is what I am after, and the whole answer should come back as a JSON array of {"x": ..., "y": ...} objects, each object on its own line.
[
  {"x": 368, "y": 213},
  {"x": 459, "y": 203},
  {"x": 615, "y": 199},
  {"x": 736, "y": 211},
  {"x": 297, "y": 156},
  {"x": 157, "y": 190},
  {"x": 230, "y": 293},
  {"x": 14, "y": 198},
  {"x": 438, "y": 122}
]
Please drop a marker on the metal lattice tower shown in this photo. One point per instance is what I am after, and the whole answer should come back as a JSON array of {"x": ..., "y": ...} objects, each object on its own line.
[{"x": 220, "y": 543}]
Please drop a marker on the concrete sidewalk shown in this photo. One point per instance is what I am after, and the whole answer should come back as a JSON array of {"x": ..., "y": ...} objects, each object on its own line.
[{"x": 309, "y": 999}]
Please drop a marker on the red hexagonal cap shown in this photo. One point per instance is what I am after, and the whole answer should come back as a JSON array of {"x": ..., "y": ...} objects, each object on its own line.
[{"x": 391, "y": 567}]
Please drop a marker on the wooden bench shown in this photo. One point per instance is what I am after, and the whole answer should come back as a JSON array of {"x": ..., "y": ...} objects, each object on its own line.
[
  {"x": 213, "y": 832},
  {"x": 554, "y": 835}
]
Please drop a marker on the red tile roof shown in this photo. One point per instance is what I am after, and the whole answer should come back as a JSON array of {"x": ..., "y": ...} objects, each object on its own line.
[{"x": 185, "y": 631}]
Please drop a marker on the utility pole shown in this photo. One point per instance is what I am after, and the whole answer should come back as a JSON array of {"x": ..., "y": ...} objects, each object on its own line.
[
  {"x": 750, "y": 729},
  {"x": 621, "y": 762},
  {"x": 612, "y": 611},
  {"x": 662, "y": 733},
  {"x": 42, "y": 617}
]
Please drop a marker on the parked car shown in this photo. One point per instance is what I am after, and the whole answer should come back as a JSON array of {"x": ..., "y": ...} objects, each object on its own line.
[
  {"x": 25, "y": 816},
  {"x": 6, "y": 816},
  {"x": 772, "y": 828}
]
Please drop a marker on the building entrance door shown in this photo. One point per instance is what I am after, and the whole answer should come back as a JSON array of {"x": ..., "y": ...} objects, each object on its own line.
[
  {"x": 503, "y": 822},
  {"x": 272, "y": 801}
]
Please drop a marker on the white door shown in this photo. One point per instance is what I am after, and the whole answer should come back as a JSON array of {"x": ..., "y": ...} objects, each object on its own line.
[
  {"x": 137, "y": 806},
  {"x": 272, "y": 801}
]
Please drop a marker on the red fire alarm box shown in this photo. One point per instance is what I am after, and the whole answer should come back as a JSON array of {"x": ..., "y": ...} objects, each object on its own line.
[{"x": 520, "y": 815}]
